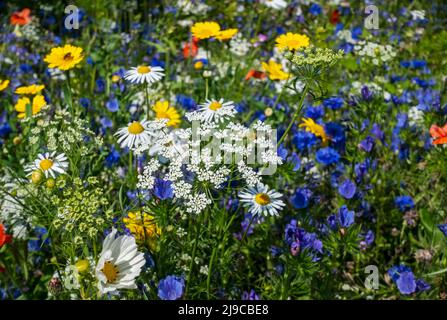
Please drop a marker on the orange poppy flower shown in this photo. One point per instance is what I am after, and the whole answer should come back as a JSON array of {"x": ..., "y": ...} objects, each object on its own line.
[
  {"x": 255, "y": 74},
  {"x": 190, "y": 49},
  {"x": 438, "y": 134},
  {"x": 4, "y": 238},
  {"x": 21, "y": 17}
]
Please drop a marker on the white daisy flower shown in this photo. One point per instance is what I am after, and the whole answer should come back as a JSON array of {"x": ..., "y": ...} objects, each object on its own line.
[
  {"x": 144, "y": 74},
  {"x": 275, "y": 4},
  {"x": 261, "y": 200},
  {"x": 135, "y": 134},
  {"x": 119, "y": 263},
  {"x": 216, "y": 110},
  {"x": 49, "y": 164}
]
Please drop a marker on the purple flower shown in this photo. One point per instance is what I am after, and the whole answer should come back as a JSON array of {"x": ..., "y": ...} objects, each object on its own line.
[
  {"x": 171, "y": 288},
  {"x": 347, "y": 189},
  {"x": 252, "y": 295},
  {"x": 367, "y": 144}
]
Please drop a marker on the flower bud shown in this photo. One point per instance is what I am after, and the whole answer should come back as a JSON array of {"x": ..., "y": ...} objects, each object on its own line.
[
  {"x": 36, "y": 176},
  {"x": 51, "y": 183},
  {"x": 82, "y": 265}
]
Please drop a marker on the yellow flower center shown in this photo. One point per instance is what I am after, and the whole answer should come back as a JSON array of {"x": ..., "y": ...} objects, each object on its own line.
[
  {"x": 110, "y": 271},
  {"x": 143, "y": 69},
  {"x": 135, "y": 128},
  {"x": 45, "y": 164},
  {"x": 262, "y": 199},
  {"x": 198, "y": 65},
  {"x": 215, "y": 106},
  {"x": 68, "y": 57}
]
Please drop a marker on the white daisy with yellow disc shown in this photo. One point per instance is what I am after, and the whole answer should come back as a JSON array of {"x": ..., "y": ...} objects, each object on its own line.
[
  {"x": 50, "y": 164},
  {"x": 135, "y": 134},
  {"x": 144, "y": 74},
  {"x": 217, "y": 110},
  {"x": 261, "y": 200}
]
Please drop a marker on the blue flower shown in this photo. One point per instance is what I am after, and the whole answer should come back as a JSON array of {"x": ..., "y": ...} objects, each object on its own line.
[
  {"x": 327, "y": 156},
  {"x": 443, "y": 228},
  {"x": 295, "y": 160},
  {"x": 303, "y": 140},
  {"x": 314, "y": 112},
  {"x": 186, "y": 102},
  {"x": 252, "y": 295},
  {"x": 301, "y": 198},
  {"x": 367, "y": 144},
  {"x": 336, "y": 133},
  {"x": 5, "y": 130},
  {"x": 334, "y": 103},
  {"x": 345, "y": 217},
  {"x": 85, "y": 102},
  {"x": 347, "y": 189},
  {"x": 315, "y": 9},
  {"x": 112, "y": 105},
  {"x": 406, "y": 283},
  {"x": 367, "y": 94},
  {"x": 404, "y": 203},
  {"x": 112, "y": 158},
  {"x": 163, "y": 189},
  {"x": 171, "y": 288}
]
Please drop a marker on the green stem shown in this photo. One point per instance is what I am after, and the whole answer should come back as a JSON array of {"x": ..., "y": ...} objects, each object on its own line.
[{"x": 295, "y": 115}]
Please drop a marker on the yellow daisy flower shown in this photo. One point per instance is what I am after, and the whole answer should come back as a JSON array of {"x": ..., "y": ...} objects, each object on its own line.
[
  {"x": 226, "y": 34},
  {"x": 38, "y": 103},
  {"x": 32, "y": 89},
  {"x": 143, "y": 227},
  {"x": 164, "y": 111},
  {"x": 274, "y": 71},
  {"x": 3, "y": 84},
  {"x": 205, "y": 30},
  {"x": 64, "y": 58},
  {"x": 318, "y": 130},
  {"x": 292, "y": 41}
]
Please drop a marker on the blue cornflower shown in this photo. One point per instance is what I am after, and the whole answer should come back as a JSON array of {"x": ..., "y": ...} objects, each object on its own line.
[
  {"x": 327, "y": 156},
  {"x": 334, "y": 103},
  {"x": 315, "y": 9},
  {"x": 303, "y": 140},
  {"x": 300, "y": 198},
  {"x": 404, "y": 203}
]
